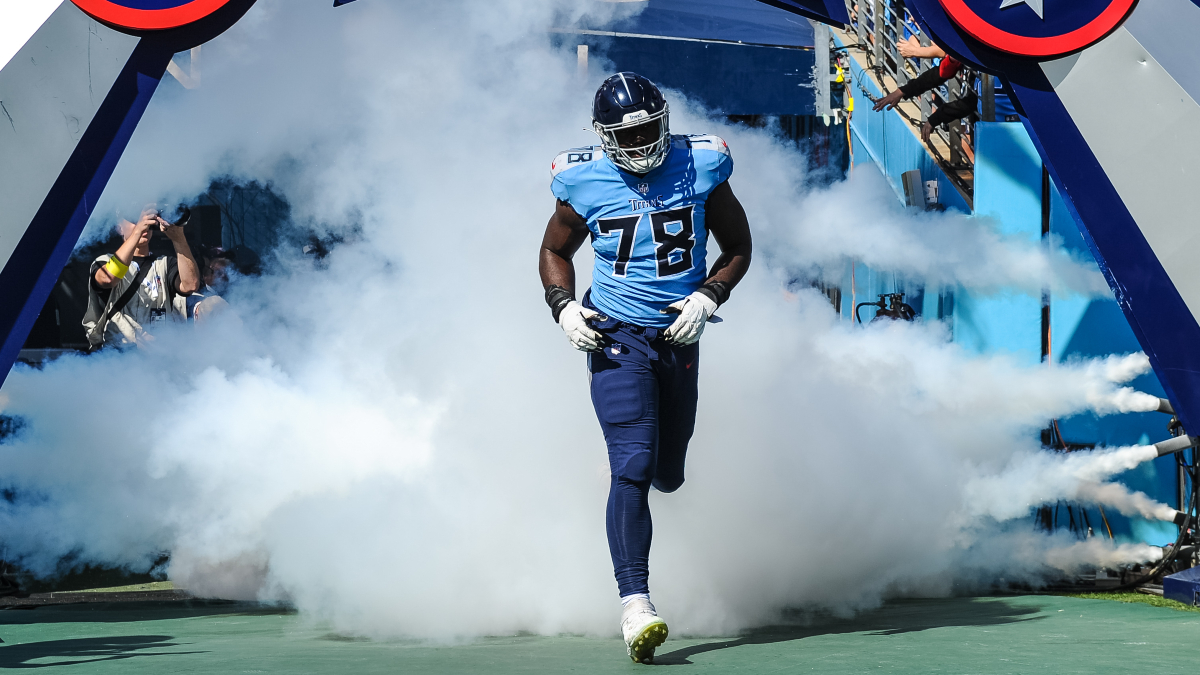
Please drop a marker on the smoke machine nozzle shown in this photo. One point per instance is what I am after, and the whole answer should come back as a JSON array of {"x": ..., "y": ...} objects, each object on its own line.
[
  {"x": 1177, "y": 444},
  {"x": 1178, "y": 517}
]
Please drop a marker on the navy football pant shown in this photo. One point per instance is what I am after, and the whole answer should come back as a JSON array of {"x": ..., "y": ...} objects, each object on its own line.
[{"x": 644, "y": 391}]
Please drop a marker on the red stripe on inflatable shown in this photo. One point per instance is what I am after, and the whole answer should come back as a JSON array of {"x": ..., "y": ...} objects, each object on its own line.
[
  {"x": 1023, "y": 45},
  {"x": 149, "y": 19}
]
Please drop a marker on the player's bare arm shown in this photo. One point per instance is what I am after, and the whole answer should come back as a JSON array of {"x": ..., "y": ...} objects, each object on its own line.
[
  {"x": 728, "y": 225},
  {"x": 726, "y": 221},
  {"x": 565, "y": 233}
]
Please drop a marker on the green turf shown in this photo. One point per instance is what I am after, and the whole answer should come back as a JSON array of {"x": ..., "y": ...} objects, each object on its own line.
[
  {"x": 1028, "y": 634},
  {"x": 1138, "y": 598}
]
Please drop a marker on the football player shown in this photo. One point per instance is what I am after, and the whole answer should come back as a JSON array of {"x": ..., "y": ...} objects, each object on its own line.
[{"x": 648, "y": 201}]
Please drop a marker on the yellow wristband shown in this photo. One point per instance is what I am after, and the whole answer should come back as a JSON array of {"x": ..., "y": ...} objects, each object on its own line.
[{"x": 116, "y": 268}]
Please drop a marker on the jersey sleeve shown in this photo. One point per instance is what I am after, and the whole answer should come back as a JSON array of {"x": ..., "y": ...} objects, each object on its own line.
[
  {"x": 559, "y": 187},
  {"x": 712, "y": 154},
  {"x": 569, "y": 169},
  {"x": 558, "y": 183},
  {"x": 724, "y": 167}
]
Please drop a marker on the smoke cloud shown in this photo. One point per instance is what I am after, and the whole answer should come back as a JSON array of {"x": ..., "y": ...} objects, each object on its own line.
[
  {"x": 858, "y": 219},
  {"x": 1034, "y": 478},
  {"x": 399, "y": 441}
]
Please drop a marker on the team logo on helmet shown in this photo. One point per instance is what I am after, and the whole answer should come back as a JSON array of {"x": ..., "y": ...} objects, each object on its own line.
[
  {"x": 1039, "y": 28},
  {"x": 150, "y": 14}
]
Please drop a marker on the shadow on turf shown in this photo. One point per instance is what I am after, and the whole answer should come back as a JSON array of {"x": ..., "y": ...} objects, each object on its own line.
[
  {"x": 106, "y": 612},
  {"x": 85, "y": 650},
  {"x": 892, "y": 619}
]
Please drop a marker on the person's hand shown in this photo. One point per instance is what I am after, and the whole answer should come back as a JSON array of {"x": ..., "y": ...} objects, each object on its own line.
[
  {"x": 926, "y": 129},
  {"x": 912, "y": 49},
  {"x": 144, "y": 224},
  {"x": 694, "y": 312},
  {"x": 890, "y": 101},
  {"x": 173, "y": 232},
  {"x": 573, "y": 320}
]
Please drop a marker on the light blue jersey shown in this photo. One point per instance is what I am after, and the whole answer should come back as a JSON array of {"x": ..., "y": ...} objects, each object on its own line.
[{"x": 648, "y": 231}]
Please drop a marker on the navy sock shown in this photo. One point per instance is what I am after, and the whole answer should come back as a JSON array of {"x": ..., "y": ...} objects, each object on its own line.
[{"x": 629, "y": 532}]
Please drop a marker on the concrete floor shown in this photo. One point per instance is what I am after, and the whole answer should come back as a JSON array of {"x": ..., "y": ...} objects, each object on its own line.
[{"x": 1028, "y": 634}]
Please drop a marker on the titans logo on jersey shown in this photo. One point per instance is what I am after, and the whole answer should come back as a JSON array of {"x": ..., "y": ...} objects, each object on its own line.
[{"x": 648, "y": 231}]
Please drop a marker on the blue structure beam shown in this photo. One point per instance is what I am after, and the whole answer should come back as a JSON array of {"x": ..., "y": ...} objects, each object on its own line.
[{"x": 826, "y": 11}]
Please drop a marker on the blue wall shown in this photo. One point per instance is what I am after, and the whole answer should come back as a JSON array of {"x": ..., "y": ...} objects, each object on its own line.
[
  {"x": 1008, "y": 191},
  {"x": 745, "y": 21},
  {"x": 887, "y": 140},
  {"x": 729, "y": 79}
]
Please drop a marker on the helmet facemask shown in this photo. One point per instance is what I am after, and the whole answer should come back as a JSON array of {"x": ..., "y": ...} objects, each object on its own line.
[{"x": 643, "y": 158}]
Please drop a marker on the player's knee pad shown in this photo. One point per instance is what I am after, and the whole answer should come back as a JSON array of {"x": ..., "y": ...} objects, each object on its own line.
[
  {"x": 667, "y": 484},
  {"x": 639, "y": 468}
]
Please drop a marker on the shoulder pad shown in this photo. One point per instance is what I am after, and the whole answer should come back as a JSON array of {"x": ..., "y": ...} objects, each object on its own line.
[
  {"x": 575, "y": 157},
  {"x": 708, "y": 142}
]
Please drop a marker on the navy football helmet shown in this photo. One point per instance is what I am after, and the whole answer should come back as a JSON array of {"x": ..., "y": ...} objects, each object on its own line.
[{"x": 630, "y": 116}]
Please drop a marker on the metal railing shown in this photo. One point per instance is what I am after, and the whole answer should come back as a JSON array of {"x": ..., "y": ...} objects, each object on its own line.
[{"x": 879, "y": 26}]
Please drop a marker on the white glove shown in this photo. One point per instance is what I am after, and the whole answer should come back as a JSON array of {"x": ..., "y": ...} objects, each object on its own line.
[
  {"x": 573, "y": 319},
  {"x": 694, "y": 312}
]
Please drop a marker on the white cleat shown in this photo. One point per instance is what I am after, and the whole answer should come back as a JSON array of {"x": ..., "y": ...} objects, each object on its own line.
[{"x": 643, "y": 630}]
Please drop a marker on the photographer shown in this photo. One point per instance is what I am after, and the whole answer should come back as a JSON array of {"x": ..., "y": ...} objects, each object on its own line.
[{"x": 130, "y": 289}]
